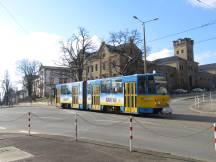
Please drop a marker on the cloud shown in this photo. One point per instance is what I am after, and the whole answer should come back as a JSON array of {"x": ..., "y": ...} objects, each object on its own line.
[
  {"x": 205, "y": 57},
  {"x": 203, "y": 3},
  {"x": 41, "y": 46},
  {"x": 161, "y": 54},
  {"x": 15, "y": 46},
  {"x": 96, "y": 41}
]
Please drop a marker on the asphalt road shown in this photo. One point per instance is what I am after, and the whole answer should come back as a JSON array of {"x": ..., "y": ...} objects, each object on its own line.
[{"x": 185, "y": 133}]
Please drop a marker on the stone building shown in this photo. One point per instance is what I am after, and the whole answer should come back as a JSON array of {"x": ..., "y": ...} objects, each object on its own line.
[
  {"x": 209, "y": 68},
  {"x": 48, "y": 77},
  {"x": 111, "y": 61},
  {"x": 169, "y": 71},
  {"x": 207, "y": 76},
  {"x": 183, "y": 62},
  {"x": 188, "y": 74}
]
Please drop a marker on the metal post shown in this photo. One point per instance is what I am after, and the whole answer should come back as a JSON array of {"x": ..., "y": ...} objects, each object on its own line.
[
  {"x": 198, "y": 101},
  {"x": 195, "y": 100},
  {"x": 144, "y": 39},
  {"x": 215, "y": 135},
  {"x": 210, "y": 97},
  {"x": 29, "y": 123},
  {"x": 203, "y": 97},
  {"x": 131, "y": 134},
  {"x": 76, "y": 126}
]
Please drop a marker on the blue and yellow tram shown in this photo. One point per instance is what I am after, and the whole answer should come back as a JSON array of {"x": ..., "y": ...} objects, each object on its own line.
[{"x": 139, "y": 93}]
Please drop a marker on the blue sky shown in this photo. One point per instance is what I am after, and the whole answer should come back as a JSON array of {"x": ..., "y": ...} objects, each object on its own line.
[{"x": 40, "y": 24}]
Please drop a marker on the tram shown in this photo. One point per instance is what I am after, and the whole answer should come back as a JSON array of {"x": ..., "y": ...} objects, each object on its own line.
[{"x": 136, "y": 94}]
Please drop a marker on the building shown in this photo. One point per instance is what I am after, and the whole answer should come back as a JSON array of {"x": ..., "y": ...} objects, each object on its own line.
[
  {"x": 209, "y": 68},
  {"x": 48, "y": 77},
  {"x": 108, "y": 61},
  {"x": 111, "y": 61},
  {"x": 207, "y": 75},
  {"x": 183, "y": 61},
  {"x": 188, "y": 74}
]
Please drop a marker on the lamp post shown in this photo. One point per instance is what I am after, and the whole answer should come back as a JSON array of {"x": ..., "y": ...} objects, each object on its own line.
[{"x": 144, "y": 39}]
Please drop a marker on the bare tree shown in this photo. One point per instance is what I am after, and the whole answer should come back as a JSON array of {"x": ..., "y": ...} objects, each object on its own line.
[
  {"x": 7, "y": 88},
  {"x": 127, "y": 42},
  {"x": 74, "y": 51},
  {"x": 28, "y": 70}
]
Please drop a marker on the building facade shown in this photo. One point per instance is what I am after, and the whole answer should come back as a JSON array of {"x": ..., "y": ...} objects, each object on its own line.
[
  {"x": 188, "y": 74},
  {"x": 48, "y": 77},
  {"x": 110, "y": 61}
]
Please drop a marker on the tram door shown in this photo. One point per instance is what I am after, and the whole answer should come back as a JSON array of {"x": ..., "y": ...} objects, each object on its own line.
[
  {"x": 57, "y": 96},
  {"x": 130, "y": 97},
  {"x": 75, "y": 96},
  {"x": 96, "y": 97}
]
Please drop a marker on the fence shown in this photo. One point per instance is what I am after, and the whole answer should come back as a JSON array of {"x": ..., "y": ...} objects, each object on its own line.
[
  {"x": 205, "y": 101},
  {"x": 124, "y": 124}
]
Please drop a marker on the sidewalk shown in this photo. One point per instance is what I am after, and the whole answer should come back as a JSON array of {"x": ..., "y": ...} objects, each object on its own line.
[{"x": 45, "y": 148}]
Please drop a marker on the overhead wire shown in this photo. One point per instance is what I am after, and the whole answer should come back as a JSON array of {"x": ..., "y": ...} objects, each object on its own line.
[
  {"x": 206, "y": 4},
  {"x": 13, "y": 17},
  {"x": 184, "y": 31}
]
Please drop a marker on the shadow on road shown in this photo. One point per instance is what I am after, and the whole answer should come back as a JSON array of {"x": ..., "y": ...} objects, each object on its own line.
[{"x": 182, "y": 117}]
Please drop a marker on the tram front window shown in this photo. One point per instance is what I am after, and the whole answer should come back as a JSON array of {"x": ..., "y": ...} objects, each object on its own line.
[
  {"x": 161, "y": 85},
  {"x": 141, "y": 85}
]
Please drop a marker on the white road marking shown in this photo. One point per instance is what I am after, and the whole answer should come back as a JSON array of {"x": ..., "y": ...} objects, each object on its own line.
[
  {"x": 8, "y": 154},
  {"x": 125, "y": 121},
  {"x": 26, "y": 132},
  {"x": 114, "y": 121},
  {"x": 2, "y": 128},
  {"x": 46, "y": 117}
]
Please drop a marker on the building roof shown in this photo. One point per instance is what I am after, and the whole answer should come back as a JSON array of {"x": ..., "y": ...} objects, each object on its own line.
[
  {"x": 54, "y": 67},
  {"x": 167, "y": 59},
  {"x": 208, "y": 66},
  {"x": 118, "y": 49}
]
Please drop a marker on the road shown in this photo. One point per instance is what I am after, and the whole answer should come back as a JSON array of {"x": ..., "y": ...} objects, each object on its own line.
[{"x": 185, "y": 133}]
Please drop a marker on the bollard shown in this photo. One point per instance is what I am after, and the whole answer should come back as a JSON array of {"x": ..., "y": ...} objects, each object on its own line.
[
  {"x": 203, "y": 97},
  {"x": 195, "y": 101},
  {"x": 215, "y": 135},
  {"x": 131, "y": 134},
  {"x": 29, "y": 123},
  {"x": 198, "y": 101},
  {"x": 210, "y": 95},
  {"x": 76, "y": 126}
]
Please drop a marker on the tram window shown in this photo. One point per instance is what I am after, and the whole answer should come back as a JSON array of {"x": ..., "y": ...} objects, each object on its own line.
[
  {"x": 65, "y": 89},
  {"x": 117, "y": 86},
  {"x": 106, "y": 86},
  {"x": 141, "y": 85},
  {"x": 151, "y": 86},
  {"x": 89, "y": 89}
]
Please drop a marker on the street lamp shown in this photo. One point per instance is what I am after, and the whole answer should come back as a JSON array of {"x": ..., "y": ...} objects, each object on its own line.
[{"x": 144, "y": 39}]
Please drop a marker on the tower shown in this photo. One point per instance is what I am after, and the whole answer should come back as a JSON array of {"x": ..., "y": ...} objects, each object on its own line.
[{"x": 183, "y": 48}]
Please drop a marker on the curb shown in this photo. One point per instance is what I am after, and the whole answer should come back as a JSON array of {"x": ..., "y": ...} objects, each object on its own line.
[{"x": 200, "y": 111}]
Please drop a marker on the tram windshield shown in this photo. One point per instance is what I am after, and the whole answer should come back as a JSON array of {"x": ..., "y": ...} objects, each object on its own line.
[
  {"x": 65, "y": 89},
  {"x": 161, "y": 85}
]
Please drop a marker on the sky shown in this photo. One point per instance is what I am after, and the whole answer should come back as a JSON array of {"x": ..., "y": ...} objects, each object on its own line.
[{"x": 32, "y": 29}]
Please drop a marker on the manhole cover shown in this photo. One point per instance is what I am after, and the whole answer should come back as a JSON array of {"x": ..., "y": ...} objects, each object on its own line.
[{"x": 8, "y": 154}]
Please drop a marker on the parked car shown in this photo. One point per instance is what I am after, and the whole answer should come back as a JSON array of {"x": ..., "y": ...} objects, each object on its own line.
[
  {"x": 197, "y": 90},
  {"x": 180, "y": 91}
]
